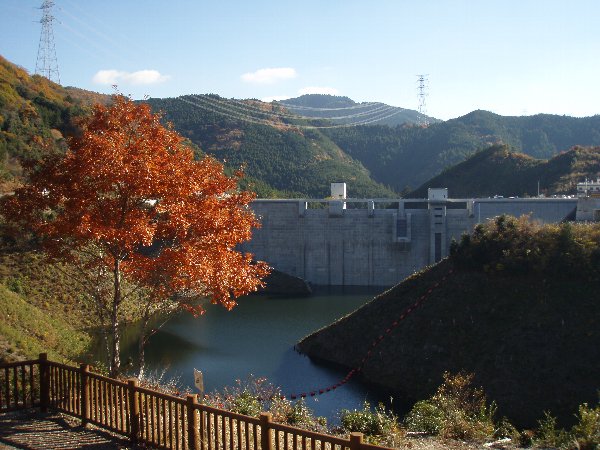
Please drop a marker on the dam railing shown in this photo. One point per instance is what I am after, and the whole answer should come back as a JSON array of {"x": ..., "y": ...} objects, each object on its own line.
[{"x": 149, "y": 417}]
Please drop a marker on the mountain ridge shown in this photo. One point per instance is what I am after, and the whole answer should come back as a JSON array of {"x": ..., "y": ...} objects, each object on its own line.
[
  {"x": 498, "y": 170},
  {"x": 406, "y": 157},
  {"x": 286, "y": 155},
  {"x": 344, "y": 110}
]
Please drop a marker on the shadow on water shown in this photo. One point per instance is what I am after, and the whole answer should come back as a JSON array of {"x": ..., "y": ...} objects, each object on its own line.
[
  {"x": 164, "y": 349},
  {"x": 257, "y": 338}
]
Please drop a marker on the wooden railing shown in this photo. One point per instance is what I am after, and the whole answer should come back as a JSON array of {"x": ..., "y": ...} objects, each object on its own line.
[
  {"x": 19, "y": 386},
  {"x": 149, "y": 417}
]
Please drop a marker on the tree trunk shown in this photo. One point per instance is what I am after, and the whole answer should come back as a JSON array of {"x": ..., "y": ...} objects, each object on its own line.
[
  {"x": 141, "y": 358},
  {"x": 115, "y": 365},
  {"x": 144, "y": 335}
]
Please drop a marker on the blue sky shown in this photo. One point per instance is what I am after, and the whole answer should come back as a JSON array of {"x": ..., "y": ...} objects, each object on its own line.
[{"x": 510, "y": 57}]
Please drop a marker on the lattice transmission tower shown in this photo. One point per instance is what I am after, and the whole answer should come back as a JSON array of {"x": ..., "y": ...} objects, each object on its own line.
[
  {"x": 422, "y": 95},
  {"x": 47, "y": 64}
]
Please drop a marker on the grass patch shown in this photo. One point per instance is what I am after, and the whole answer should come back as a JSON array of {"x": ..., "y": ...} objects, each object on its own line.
[
  {"x": 46, "y": 286},
  {"x": 28, "y": 331}
]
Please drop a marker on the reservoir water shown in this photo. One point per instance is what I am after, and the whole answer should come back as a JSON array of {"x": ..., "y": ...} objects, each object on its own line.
[{"x": 257, "y": 337}]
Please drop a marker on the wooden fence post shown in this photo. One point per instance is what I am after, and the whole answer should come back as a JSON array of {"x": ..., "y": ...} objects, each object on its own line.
[
  {"x": 356, "y": 440},
  {"x": 193, "y": 424},
  {"x": 134, "y": 411},
  {"x": 265, "y": 431},
  {"x": 44, "y": 383},
  {"x": 85, "y": 394}
]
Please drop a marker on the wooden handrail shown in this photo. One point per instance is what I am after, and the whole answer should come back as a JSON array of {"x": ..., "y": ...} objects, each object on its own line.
[
  {"x": 231, "y": 414},
  {"x": 310, "y": 434},
  {"x": 145, "y": 415}
]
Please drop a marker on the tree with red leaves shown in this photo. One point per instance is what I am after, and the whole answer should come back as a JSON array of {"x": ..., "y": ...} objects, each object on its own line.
[{"x": 144, "y": 224}]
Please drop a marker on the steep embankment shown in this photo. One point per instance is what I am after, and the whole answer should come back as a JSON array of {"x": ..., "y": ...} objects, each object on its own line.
[
  {"x": 520, "y": 311},
  {"x": 500, "y": 171},
  {"x": 40, "y": 309},
  {"x": 26, "y": 331}
]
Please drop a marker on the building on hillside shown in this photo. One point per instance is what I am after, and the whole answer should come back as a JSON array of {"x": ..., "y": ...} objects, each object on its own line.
[
  {"x": 588, "y": 201},
  {"x": 589, "y": 188}
]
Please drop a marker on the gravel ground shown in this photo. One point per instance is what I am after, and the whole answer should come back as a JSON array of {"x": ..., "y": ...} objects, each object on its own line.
[{"x": 33, "y": 430}]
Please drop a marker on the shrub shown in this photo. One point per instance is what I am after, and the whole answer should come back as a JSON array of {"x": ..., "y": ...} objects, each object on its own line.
[
  {"x": 586, "y": 432},
  {"x": 246, "y": 403},
  {"x": 255, "y": 395},
  {"x": 369, "y": 422},
  {"x": 379, "y": 426},
  {"x": 158, "y": 381},
  {"x": 301, "y": 416},
  {"x": 17, "y": 284},
  {"x": 505, "y": 429},
  {"x": 249, "y": 397},
  {"x": 425, "y": 416},
  {"x": 456, "y": 410},
  {"x": 280, "y": 408},
  {"x": 519, "y": 246},
  {"x": 548, "y": 435}
]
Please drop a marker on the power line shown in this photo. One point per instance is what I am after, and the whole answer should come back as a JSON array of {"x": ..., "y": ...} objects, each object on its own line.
[
  {"x": 223, "y": 110},
  {"x": 312, "y": 108},
  {"x": 46, "y": 63},
  {"x": 243, "y": 106}
]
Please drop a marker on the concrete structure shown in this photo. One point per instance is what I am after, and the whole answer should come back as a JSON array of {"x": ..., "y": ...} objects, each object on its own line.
[
  {"x": 588, "y": 209},
  {"x": 377, "y": 242},
  {"x": 588, "y": 204},
  {"x": 589, "y": 188}
]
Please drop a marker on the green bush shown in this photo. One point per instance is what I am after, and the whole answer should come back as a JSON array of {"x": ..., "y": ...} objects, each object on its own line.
[
  {"x": 255, "y": 395},
  {"x": 586, "y": 432},
  {"x": 249, "y": 397},
  {"x": 367, "y": 421},
  {"x": 584, "y": 435},
  {"x": 456, "y": 410},
  {"x": 247, "y": 404},
  {"x": 548, "y": 435},
  {"x": 425, "y": 416},
  {"x": 301, "y": 416},
  {"x": 519, "y": 246},
  {"x": 16, "y": 284}
]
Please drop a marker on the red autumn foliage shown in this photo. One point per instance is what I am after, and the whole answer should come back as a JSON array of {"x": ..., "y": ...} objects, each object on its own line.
[{"x": 129, "y": 199}]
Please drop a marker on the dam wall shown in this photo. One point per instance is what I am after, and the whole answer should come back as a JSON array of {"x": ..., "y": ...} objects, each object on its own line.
[{"x": 364, "y": 242}]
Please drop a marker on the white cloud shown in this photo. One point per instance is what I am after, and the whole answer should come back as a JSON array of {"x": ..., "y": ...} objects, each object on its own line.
[
  {"x": 269, "y": 75},
  {"x": 141, "y": 77},
  {"x": 274, "y": 98},
  {"x": 318, "y": 90},
  {"x": 106, "y": 77}
]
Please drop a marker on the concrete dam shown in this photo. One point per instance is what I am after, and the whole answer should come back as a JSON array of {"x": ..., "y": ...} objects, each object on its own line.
[{"x": 366, "y": 242}]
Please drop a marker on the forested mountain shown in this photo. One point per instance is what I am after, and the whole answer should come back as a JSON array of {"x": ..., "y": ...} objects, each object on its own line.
[
  {"x": 287, "y": 155},
  {"x": 409, "y": 156},
  {"x": 500, "y": 171},
  {"x": 299, "y": 161},
  {"x": 343, "y": 110},
  {"x": 35, "y": 116}
]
